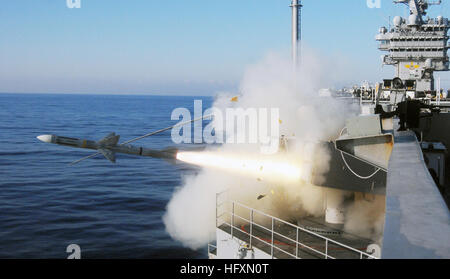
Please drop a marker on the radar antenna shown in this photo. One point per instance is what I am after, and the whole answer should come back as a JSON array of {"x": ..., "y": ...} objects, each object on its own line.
[{"x": 418, "y": 7}]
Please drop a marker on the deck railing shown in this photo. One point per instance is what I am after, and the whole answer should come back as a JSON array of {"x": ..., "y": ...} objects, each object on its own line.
[
  {"x": 229, "y": 215},
  {"x": 212, "y": 250}
]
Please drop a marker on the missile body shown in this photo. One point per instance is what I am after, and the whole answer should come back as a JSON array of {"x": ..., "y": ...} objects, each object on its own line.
[{"x": 108, "y": 147}]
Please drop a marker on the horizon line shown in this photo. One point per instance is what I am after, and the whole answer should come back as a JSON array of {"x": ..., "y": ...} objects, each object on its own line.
[{"x": 116, "y": 94}]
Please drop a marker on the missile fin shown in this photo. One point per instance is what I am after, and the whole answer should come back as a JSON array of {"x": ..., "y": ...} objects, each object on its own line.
[
  {"x": 110, "y": 155},
  {"x": 109, "y": 140}
]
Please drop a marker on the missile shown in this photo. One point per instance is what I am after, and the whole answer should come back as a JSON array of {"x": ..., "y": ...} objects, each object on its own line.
[{"x": 108, "y": 146}]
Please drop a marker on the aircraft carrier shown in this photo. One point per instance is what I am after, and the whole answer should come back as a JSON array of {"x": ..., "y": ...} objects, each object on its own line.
[
  {"x": 393, "y": 156},
  {"x": 394, "y": 153}
]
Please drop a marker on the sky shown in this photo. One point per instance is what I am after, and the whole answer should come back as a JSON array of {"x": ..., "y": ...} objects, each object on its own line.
[{"x": 177, "y": 47}]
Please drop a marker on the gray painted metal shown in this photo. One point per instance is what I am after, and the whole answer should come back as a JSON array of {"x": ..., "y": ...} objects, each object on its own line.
[
  {"x": 364, "y": 140},
  {"x": 340, "y": 177},
  {"x": 417, "y": 223},
  {"x": 363, "y": 126},
  {"x": 417, "y": 47},
  {"x": 108, "y": 147}
]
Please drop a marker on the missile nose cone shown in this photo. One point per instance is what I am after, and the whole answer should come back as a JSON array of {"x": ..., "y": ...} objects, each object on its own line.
[{"x": 45, "y": 138}]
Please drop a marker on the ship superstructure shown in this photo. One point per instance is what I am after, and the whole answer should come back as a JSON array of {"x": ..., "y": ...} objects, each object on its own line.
[
  {"x": 417, "y": 48},
  {"x": 391, "y": 160},
  {"x": 394, "y": 153}
]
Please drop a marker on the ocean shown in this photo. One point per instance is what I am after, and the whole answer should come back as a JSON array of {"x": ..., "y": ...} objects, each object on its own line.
[{"x": 109, "y": 210}]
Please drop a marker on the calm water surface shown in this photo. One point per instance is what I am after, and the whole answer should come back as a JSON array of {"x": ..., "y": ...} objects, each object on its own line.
[{"x": 111, "y": 211}]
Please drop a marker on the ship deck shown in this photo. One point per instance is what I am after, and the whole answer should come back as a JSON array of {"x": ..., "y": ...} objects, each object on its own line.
[
  {"x": 417, "y": 218},
  {"x": 288, "y": 249},
  {"x": 306, "y": 238}
]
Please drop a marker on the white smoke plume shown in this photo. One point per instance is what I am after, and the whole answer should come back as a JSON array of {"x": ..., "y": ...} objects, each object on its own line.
[
  {"x": 190, "y": 216},
  {"x": 365, "y": 217}
]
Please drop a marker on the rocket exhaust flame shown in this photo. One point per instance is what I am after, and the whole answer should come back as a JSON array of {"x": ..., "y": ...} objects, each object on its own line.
[{"x": 270, "y": 168}]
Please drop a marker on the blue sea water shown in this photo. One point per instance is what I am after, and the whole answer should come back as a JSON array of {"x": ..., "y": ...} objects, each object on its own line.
[{"x": 109, "y": 210}]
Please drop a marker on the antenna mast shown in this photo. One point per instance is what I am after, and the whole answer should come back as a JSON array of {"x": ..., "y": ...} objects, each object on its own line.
[{"x": 296, "y": 31}]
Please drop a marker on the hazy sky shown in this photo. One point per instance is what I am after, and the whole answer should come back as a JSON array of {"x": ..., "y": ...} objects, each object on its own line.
[{"x": 177, "y": 46}]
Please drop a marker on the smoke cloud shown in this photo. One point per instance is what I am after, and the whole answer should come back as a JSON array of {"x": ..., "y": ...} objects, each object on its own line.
[{"x": 310, "y": 118}]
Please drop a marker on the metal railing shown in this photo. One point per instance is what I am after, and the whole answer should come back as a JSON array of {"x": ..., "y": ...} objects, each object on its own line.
[
  {"x": 212, "y": 250},
  {"x": 257, "y": 234}
]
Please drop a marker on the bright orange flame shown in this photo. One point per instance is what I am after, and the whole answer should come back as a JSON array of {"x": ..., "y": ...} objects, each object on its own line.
[{"x": 266, "y": 167}]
